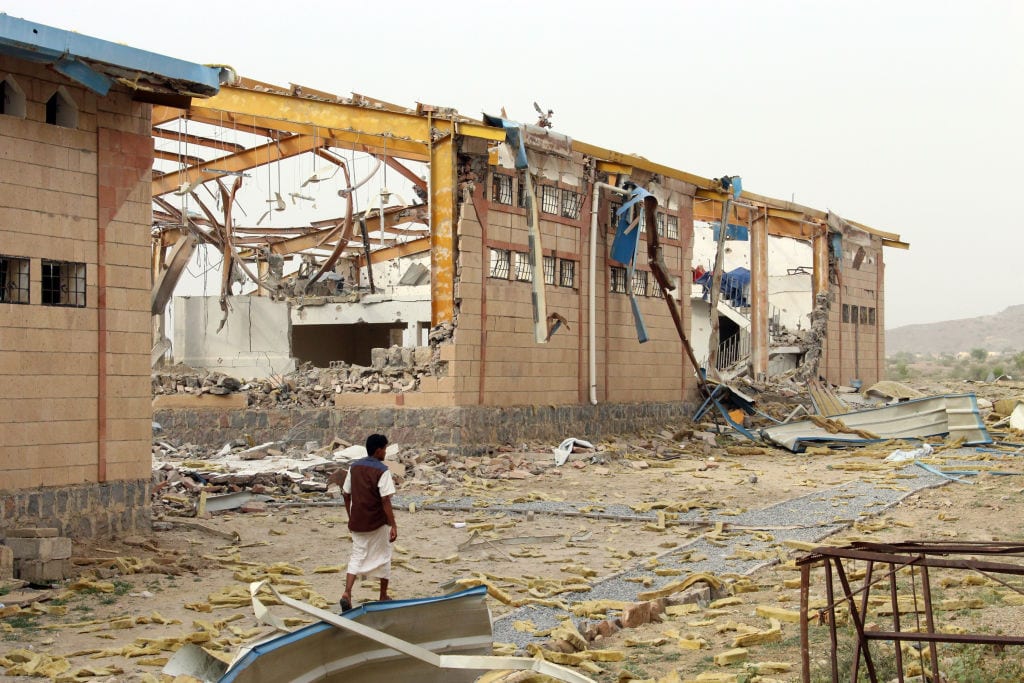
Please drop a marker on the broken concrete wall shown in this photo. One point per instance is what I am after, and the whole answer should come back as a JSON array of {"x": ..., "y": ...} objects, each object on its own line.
[
  {"x": 497, "y": 360},
  {"x": 462, "y": 430},
  {"x": 406, "y": 312},
  {"x": 855, "y": 343},
  {"x": 254, "y": 342},
  {"x": 74, "y": 355}
]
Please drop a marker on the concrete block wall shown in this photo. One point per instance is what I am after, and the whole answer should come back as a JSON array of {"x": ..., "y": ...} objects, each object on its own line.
[
  {"x": 75, "y": 402},
  {"x": 463, "y": 430},
  {"x": 857, "y": 350},
  {"x": 497, "y": 360}
]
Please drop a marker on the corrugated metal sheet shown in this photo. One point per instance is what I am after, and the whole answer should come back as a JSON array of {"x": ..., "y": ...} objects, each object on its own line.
[{"x": 953, "y": 414}]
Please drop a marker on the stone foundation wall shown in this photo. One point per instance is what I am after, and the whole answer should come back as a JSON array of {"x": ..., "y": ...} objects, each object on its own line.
[
  {"x": 466, "y": 430},
  {"x": 85, "y": 511}
]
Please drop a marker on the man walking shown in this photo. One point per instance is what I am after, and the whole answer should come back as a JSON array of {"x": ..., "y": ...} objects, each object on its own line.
[{"x": 367, "y": 491}]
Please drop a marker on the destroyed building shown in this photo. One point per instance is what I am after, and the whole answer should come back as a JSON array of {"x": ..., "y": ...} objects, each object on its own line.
[
  {"x": 76, "y": 156},
  {"x": 501, "y": 242},
  {"x": 473, "y": 261}
]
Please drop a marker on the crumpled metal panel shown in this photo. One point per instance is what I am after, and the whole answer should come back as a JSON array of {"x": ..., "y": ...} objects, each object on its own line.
[
  {"x": 953, "y": 414},
  {"x": 459, "y": 623}
]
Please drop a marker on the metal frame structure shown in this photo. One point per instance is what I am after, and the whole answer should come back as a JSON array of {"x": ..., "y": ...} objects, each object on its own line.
[
  {"x": 297, "y": 120},
  {"x": 921, "y": 558}
]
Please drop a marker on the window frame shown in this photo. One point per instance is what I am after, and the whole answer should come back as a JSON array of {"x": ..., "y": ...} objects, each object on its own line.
[
  {"x": 70, "y": 296},
  {"x": 18, "y": 282}
]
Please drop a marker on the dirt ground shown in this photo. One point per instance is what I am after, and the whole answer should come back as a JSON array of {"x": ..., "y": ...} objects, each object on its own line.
[{"x": 137, "y": 598}]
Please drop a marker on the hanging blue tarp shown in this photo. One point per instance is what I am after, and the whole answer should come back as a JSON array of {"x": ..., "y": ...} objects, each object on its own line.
[
  {"x": 740, "y": 233},
  {"x": 735, "y": 286}
]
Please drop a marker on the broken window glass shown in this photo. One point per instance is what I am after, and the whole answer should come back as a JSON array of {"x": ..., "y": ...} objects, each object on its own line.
[
  {"x": 524, "y": 269},
  {"x": 549, "y": 270},
  {"x": 571, "y": 204},
  {"x": 63, "y": 284},
  {"x": 501, "y": 189},
  {"x": 500, "y": 261},
  {"x": 14, "y": 288},
  {"x": 640, "y": 282},
  {"x": 618, "y": 279},
  {"x": 567, "y": 273}
]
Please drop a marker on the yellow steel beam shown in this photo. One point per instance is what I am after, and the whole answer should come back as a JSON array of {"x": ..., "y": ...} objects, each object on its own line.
[
  {"x": 404, "y": 249},
  {"x": 251, "y": 158},
  {"x": 477, "y": 130},
  {"x": 614, "y": 168},
  {"x": 197, "y": 140},
  {"x": 162, "y": 114},
  {"x": 633, "y": 161},
  {"x": 442, "y": 231},
  {"x": 296, "y": 114},
  {"x": 180, "y": 158},
  {"x": 342, "y": 139}
]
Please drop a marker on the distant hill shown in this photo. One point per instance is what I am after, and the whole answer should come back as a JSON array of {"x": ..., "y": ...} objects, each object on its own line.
[{"x": 1000, "y": 332}]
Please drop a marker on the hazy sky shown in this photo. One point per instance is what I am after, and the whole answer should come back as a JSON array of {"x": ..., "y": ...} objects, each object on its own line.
[{"x": 906, "y": 116}]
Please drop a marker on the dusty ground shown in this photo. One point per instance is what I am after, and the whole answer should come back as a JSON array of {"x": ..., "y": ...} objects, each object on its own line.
[{"x": 108, "y": 626}]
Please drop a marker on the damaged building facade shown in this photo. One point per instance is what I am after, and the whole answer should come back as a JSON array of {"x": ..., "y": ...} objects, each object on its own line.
[
  {"x": 498, "y": 265},
  {"x": 76, "y": 156},
  {"x": 512, "y": 282}
]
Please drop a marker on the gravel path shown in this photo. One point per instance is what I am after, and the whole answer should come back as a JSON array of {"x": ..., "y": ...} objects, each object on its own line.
[{"x": 816, "y": 516}]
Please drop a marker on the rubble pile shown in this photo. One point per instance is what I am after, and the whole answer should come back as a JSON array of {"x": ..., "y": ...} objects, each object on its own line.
[{"x": 393, "y": 370}]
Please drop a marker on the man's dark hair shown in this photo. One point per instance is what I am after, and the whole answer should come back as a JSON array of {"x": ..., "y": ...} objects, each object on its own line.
[{"x": 375, "y": 441}]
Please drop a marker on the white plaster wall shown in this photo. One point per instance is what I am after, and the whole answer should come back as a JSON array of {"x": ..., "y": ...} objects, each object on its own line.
[
  {"x": 254, "y": 342},
  {"x": 374, "y": 308}
]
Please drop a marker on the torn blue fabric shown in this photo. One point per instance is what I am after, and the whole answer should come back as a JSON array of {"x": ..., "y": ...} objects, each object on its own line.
[{"x": 513, "y": 136}]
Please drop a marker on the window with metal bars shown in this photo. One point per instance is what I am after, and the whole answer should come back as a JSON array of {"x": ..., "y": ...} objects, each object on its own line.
[
  {"x": 567, "y": 273},
  {"x": 672, "y": 227},
  {"x": 618, "y": 279},
  {"x": 500, "y": 263},
  {"x": 655, "y": 288},
  {"x": 640, "y": 283},
  {"x": 659, "y": 221},
  {"x": 846, "y": 313},
  {"x": 501, "y": 189},
  {"x": 871, "y": 316},
  {"x": 14, "y": 287},
  {"x": 522, "y": 199},
  {"x": 63, "y": 284},
  {"x": 549, "y": 270},
  {"x": 549, "y": 199},
  {"x": 571, "y": 204},
  {"x": 524, "y": 269},
  {"x": 613, "y": 220}
]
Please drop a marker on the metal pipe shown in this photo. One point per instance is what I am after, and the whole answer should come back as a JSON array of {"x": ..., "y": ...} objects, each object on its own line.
[{"x": 592, "y": 290}]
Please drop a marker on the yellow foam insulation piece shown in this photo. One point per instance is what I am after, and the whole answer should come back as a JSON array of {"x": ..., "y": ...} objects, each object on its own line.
[
  {"x": 681, "y": 610},
  {"x": 733, "y": 656},
  {"x": 593, "y": 607},
  {"x": 645, "y": 642},
  {"x": 769, "y": 612},
  {"x": 503, "y": 649},
  {"x": 23, "y": 662},
  {"x": 575, "y": 658},
  {"x": 579, "y": 570},
  {"x": 768, "y": 667},
  {"x": 725, "y": 602},
  {"x": 772, "y": 635},
  {"x": 90, "y": 585},
  {"x": 709, "y": 677},
  {"x": 568, "y": 632},
  {"x": 332, "y": 569},
  {"x": 678, "y": 586},
  {"x": 692, "y": 643}
]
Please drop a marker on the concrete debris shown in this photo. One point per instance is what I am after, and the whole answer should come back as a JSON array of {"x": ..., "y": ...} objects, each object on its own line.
[{"x": 393, "y": 370}]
